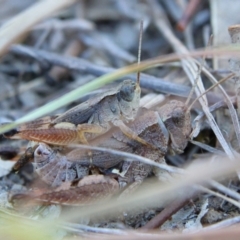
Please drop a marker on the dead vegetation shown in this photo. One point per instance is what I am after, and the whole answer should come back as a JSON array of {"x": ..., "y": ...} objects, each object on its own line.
[{"x": 158, "y": 168}]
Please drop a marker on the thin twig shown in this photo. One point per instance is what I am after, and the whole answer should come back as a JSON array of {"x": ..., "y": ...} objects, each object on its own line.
[
  {"x": 225, "y": 190},
  {"x": 215, "y": 107},
  {"x": 80, "y": 227},
  {"x": 188, "y": 14},
  {"x": 208, "y": 148},
  {"x": 168, "y": 211}
]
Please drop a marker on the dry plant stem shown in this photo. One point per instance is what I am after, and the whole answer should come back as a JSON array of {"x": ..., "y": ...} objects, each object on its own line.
[
  {"x": 208, "y": 148},
  {"x": 216, "y": 194},
  {"x": 188, "y": 14},
  {"x": 14, "y": 29},
  {"x": 222, "y": 224},
  {"x": 225, "y": 190},
  {"x": 151, "y": 100},
  {"x": 168, "y": 211},
  {"x": 228, "y": 102},
  {"x": 72, "y": 24},
  {"x": 215, "y": 107},
  {"x": 209, "y": 89},
  {"x": 80, "y": 227},
  {"x": 78, "y": 64},
  {"x": 190, "y": 68}
]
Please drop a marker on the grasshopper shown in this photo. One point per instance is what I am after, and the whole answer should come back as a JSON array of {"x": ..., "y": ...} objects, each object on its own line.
[
  {"x": 93, "y": 117},
  {"x": 168, "y": 128},
  {"x": 89, "y": 119}
]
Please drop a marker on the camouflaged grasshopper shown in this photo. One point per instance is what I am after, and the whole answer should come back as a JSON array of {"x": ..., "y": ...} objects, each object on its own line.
[
  {"x": 89, "y": 119},
  {"x": 93, "y": 117},
  {"x": 168, "y": 128}
]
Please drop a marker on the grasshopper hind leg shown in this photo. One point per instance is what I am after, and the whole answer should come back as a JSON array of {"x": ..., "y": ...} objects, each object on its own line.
[
  {"x": 88, "y": 128},
  {"x": 131, "y": 134}
]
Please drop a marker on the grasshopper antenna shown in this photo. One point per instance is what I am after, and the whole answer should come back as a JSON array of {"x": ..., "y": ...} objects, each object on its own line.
[{"x": 140, "y": 49}]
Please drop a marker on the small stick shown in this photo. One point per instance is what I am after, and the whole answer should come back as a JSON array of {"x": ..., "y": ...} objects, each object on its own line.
[
  {"x": 189, "y": 12},
  {"x": 168, "y": 211}
]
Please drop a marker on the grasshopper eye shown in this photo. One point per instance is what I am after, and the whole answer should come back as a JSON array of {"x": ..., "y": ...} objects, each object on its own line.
[
  {"x": 42, "y": 151},
  {"x": 178, "y": 117},
  {"x": 127, "y": 92},
  {"x": 39, "y": 152}
]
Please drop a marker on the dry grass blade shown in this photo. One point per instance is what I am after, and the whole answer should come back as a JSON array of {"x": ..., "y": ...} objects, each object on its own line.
[
  {"x": 229, "y": 104},
  {"x": 24, "y": 228},
  {"x": 191, "y": 70},
  {"x": 225, "y": 190},
  {"x": 14, "y": 29},
  {"x": 236, "y": 203},
  {"x": 208, "y": 148}
]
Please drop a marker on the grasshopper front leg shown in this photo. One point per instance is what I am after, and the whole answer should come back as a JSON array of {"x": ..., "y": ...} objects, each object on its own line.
[{"x": 24, "y": 159}]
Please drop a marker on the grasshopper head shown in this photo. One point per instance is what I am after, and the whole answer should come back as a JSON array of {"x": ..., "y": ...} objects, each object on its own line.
[
  {"x": 178, "y": 123},
  {"x": 128, "y": 90},
  {"x": 42, "y": 153},
  {"x": 129, "y": 98}
]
